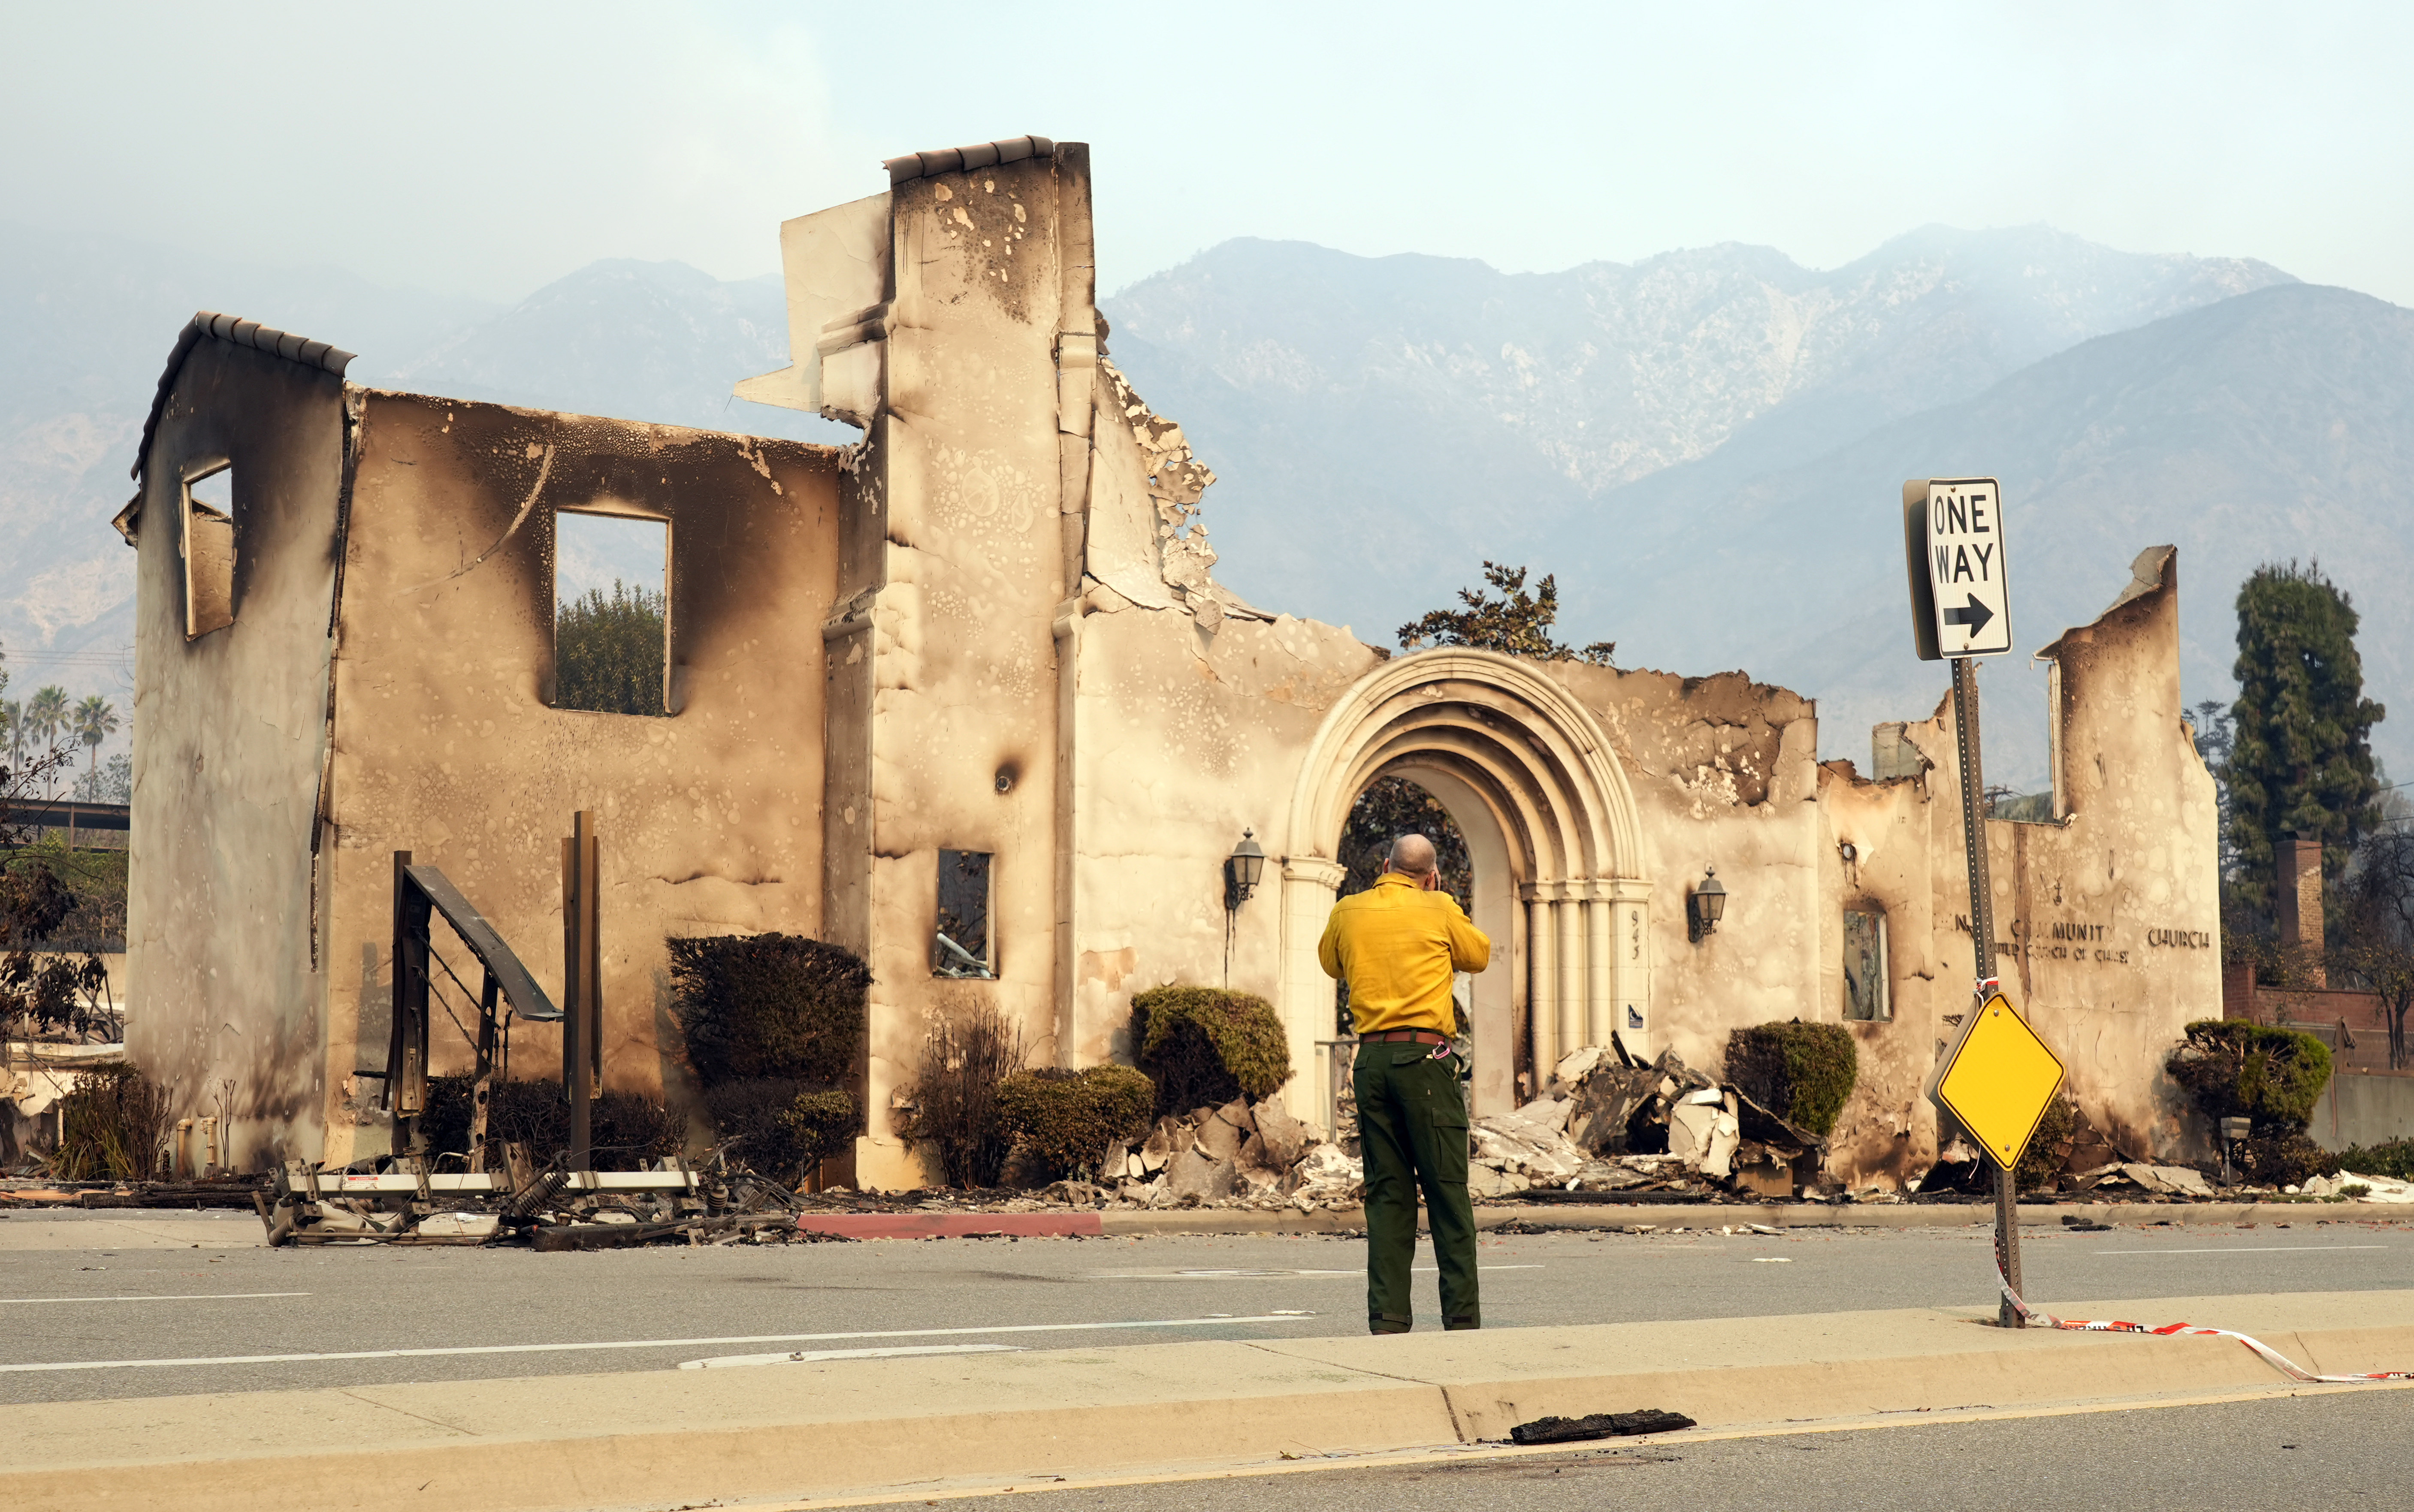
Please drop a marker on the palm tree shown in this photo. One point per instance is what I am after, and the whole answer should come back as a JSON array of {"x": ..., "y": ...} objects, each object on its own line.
[
  {"x": 94, "y": 720},
  {"x": 46, "y": 715},
  {"x": 12, "y": 731}
]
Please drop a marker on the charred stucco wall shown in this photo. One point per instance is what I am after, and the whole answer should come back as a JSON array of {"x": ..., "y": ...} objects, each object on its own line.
[
  {"x": 943, "y": 681},
  {"x": 1724, "y": 773},
  {"x": 227, "y": 984},
  {"x": 1186, "y": 738},
  {"x": 446, "y": 744},
  {"x": 2107, "y": 919}
]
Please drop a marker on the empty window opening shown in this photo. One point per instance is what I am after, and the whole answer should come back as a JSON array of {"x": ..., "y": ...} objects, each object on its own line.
[
  {"x": 209, "y": 550},
  {"x": 1867, "y": 997},
  {"x": 611, "y": 624},
  {"x": 963, "y": 946}
]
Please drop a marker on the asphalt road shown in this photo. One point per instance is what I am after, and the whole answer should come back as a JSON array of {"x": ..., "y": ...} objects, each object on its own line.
[
  {"x": 2296, "y": 1454},
  {"x": 197, "y": 1318}
]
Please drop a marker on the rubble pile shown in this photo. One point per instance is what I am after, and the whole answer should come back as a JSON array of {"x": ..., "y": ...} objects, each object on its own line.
[
  {"x": 1234, "y": 1156},
  {"x": 1610, "y": 1122}
]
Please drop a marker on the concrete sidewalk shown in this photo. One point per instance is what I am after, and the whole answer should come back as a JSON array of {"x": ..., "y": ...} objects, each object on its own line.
[{"x": 872, "y": 1427}]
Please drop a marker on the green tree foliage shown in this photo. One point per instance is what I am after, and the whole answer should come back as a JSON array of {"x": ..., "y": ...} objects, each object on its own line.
[
  {"x": 1518, "y": 622},
  {"x": 2375, "y": 948},
  {"x": 1800, "y": 1071},
  {"x": 772, "y": 1005},
  {"x": 92, "y": 721},
  {"x": 607, "y": 652},
  {"x": 1392, "y": 807},
  {"x": 2301, "y": 758},
  {"x": 2235, "y": 1069},
  {"x": 1204, "y": 1046},
  {"x": 1063, "y": 1120}
]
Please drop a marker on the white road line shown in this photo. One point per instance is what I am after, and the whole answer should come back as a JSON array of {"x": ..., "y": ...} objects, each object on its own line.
[
  {"x": 636, "y": 1343},
  {"x": 811, "y": 1356},
  {"x": 2257, "y": 1249},
  {"x": 188, "y": 1296}
]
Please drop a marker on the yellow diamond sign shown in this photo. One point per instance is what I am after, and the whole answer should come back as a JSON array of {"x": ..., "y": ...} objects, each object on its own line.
[{"x": 1998, "y": 1079}]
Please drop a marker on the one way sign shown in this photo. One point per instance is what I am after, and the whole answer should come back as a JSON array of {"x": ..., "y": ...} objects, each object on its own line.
[{"x": 1953, "y": 543}]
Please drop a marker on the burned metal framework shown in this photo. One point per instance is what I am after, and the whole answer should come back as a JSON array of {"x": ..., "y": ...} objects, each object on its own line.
[{"x": 420, "y": 893}]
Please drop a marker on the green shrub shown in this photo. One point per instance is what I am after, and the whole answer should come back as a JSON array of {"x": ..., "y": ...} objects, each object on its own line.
[
  {"x": 111, "y": 1127},
  {"x": 625, "y": 1130},
  {"x": 1065, "y": 1119},
  {"x": 2236, "y": 1069},
  {"x": 1800, "y": 1071},
  {"x": 780, "y": 1127},
  {"x": 1203, "y": 1047},
  {"x": 769, "y": 1007},
  {"x": 2394, "y": 1160}
]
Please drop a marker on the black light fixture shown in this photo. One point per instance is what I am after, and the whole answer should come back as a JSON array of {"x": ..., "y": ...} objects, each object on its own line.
[
  {"x": 1242, "y": 870},
  {"x": 1707, "y": 904}
]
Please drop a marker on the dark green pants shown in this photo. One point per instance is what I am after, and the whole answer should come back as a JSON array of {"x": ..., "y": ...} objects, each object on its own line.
[{"x": 1412, "y": 1131}]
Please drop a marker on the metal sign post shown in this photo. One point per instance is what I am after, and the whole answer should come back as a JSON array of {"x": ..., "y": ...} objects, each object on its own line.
[
  {"x": 1961, "y": 608},
  {"x": 1982, "y": 937}
]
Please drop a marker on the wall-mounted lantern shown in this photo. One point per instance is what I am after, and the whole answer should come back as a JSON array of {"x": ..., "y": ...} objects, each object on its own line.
[
  {"x": 1242, "y": 870},
  {"x": 1707, "y": 905}
]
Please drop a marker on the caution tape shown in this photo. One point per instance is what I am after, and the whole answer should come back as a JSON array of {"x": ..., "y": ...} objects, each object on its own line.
[{"x": 2037, "y": 1318}]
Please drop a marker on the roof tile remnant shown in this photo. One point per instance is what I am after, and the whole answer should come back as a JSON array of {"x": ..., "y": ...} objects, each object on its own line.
[
  {"x": 965, "y": 159},
  {"x": 242, "y": 332}
]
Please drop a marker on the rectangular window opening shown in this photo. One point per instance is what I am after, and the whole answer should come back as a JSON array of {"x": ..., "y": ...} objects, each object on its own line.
[
  {"x": 209, "y": 550},
  {"x": 1867, "y": 995},
  {"x": 611, "y": 616},
  {"x": 963, "y": 946}
]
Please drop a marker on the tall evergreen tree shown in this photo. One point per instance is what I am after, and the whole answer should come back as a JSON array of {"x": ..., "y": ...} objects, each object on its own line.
[{"x": 2300, "y": 757}]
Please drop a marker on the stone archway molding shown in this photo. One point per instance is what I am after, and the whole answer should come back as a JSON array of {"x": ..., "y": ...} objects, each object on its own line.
[{"x": 1543, "y": 765}]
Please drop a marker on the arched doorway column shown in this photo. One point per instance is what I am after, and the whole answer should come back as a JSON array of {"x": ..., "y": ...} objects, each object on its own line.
[{"x": 1528, "y": 776}]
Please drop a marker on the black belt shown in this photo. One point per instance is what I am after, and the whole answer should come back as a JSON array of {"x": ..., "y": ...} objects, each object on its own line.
[{"x": 1397, "y": 1036}]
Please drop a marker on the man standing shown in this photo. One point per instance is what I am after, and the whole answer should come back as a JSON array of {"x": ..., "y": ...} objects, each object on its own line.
[{"x": 1400, "y": 944}]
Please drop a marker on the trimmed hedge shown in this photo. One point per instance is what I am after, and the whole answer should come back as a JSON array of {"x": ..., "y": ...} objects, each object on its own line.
[
  {"x": 1203, "y": 1047},
  {"x": 1800, "y": 1071},
  {"x": 780, "y": 1127},
  {"x": 2237, "y": 1069},
  {"x": 1063, "y": 1120},
  {"x": 769, "y": 1007}
]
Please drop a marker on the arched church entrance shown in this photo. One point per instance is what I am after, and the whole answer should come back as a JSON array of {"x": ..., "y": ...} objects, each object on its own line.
[{"x": 1527, "y": 776}]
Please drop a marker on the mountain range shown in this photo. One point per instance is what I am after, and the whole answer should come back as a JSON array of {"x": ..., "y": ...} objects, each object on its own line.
[{"x": 1705, "y": 447}]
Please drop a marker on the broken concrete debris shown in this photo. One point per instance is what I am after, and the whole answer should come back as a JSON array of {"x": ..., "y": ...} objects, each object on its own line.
[
  {"x": 1235, "y": 1155},
  {"x": 1609, "y": 1122}
]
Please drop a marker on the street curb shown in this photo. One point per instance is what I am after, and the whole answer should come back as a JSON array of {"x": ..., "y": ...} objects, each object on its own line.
[
  {"x": 1551, "y": 1217},
  {"x": 951, "y": 1225},
  {"x": 861, "y": 1428}
]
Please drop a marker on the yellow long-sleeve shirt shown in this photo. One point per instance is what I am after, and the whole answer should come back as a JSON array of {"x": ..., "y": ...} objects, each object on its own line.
[{"x": 1399, "y": 947}]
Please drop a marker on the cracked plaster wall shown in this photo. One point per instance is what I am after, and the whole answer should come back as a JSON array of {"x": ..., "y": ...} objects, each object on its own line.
[
  {"x": 446, "y": 745},
  {"x": 943, "y": 680},
  {"x": 223, "y": 986}
]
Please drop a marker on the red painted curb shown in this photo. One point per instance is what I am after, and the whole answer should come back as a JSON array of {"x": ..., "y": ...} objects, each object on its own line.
[{"x": 950, "y": 1226}]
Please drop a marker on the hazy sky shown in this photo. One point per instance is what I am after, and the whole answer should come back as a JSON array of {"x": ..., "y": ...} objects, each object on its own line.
[{"x": 488, "y": 149}]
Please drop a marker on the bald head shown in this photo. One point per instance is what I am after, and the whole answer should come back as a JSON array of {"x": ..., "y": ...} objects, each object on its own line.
[{"x": 1412, "y": 855}]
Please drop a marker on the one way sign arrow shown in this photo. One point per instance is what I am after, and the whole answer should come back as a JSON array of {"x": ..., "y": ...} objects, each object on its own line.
[
  {"x": 1975, "y": 615},
  {"x": 1961, "y": 592}
]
